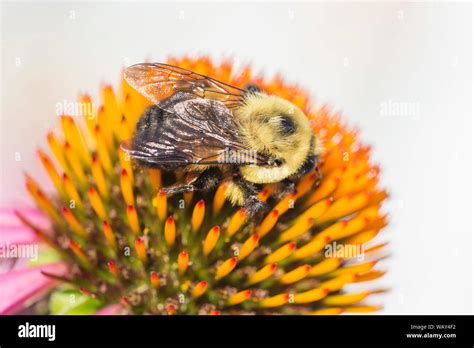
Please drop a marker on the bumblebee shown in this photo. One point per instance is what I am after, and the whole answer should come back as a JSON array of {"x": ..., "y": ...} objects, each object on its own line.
[{"x": 216, "y": 132}]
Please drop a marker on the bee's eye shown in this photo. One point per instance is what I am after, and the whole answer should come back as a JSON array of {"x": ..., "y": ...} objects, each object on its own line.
[
  {"x": 278, "y": 162},
  {"x": 288, "y": 127}
]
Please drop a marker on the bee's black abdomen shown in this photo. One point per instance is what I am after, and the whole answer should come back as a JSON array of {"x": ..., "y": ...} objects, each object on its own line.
[
  {"x": 152, "y": 116},
  {"x": 147, "y": 127},
  {"x": 148, "y": 131}
]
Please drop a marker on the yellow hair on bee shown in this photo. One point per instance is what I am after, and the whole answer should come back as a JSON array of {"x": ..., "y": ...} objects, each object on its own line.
[
  {"x": 234, "y": 194},
  {"x": 261, "y": 118}
]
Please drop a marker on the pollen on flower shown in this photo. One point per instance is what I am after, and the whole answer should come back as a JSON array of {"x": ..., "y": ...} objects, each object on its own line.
[{"x": 126, "y": 242}]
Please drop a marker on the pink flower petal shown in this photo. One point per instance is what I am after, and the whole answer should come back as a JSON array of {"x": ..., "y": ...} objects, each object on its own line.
[
  {"x": 8, "y": 217},
  {"x": 113, "y": 309},
  {"x": 17, "y": 235},
  {"x": 10, "y": 265},
  {"x": 19, "y": 286}
]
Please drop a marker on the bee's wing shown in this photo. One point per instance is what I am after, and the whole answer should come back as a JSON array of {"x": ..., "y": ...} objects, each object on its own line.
[
  {"x": 157, "y": 81},
  {"x": 191, "y": 131}
]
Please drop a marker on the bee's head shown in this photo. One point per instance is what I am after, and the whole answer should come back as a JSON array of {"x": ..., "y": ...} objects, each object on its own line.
[{"x": 275, "y": 127}]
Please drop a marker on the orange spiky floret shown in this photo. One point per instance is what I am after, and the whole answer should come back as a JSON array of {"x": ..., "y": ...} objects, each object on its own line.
[{"x": 195, "y": 253}]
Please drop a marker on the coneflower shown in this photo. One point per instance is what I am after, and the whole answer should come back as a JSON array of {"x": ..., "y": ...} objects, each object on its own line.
[{"x": 123, "y": 246}]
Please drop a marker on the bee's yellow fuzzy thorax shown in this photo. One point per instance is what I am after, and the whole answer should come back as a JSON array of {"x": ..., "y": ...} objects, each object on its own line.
[{"x": 260, "y": 124}]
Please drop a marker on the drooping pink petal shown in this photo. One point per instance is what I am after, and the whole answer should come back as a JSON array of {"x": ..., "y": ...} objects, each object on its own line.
[
  {"x": 10, "y": 265},
  {"x": 9, "y": 218},
  {"x": 113, "y": 309},
  {"x": 17, "y": 235},
  {"x": 17, "y": 287},
  {"x": 14, "y": 232}
]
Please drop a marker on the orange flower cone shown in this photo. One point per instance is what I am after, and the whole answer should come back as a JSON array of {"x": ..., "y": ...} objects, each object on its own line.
[{"x": 129, "y": 246}]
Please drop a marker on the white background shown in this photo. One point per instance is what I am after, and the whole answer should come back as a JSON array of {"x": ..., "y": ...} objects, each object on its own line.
[{"x": 353, "y": 56}]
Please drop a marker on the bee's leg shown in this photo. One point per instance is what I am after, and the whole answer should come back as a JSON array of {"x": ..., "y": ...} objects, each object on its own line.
[
  {"x": 195, "y": 181},
  {"x": 208, "y": 180},
  {"x": 284, "y": 188},
  {"x": 182, "y": 187},
  {"x": 288, "y": 185},
  {"x": 175, "y": 189},
  {"x": 252, "y": 204}
]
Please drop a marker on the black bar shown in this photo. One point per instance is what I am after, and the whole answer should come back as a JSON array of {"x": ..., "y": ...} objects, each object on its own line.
[{"x": 289, "y": 330}]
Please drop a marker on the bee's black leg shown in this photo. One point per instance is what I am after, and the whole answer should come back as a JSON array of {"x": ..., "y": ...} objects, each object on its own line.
[
  {"x": 287, "y": 186},
  {"x": 193, "y": 181},
  {"x": 252, "y": 204},
  {"x": 284, "y": 188},
  {"x": 209, "y": 179},
  {"x": 175, "y": 189}
]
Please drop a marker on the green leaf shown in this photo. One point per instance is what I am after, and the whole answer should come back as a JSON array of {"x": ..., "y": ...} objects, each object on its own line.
[{"x": 72, "y": 302}]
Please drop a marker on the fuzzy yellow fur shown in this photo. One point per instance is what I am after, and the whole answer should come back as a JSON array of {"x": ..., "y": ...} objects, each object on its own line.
[
  {"x": 234, "y": 194},
  {"x": 260, "y": 129}
]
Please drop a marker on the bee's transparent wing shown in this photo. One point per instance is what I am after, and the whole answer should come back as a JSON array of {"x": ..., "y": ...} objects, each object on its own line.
[{"x": 158, "y": 81}]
